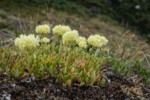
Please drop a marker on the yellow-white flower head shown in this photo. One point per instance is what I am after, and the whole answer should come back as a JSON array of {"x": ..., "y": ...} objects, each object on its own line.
[
  {"x": 70, "y": 37},
  {"x": 45, "y": 40},
  {"x": 80, "y": 38},
  {"x": 61, "y": 29},
  {"x": 97, "y": 40},
  {"x": 42, "y": 29},
  {"x": 82, "y": 44},
  {"x": 25, "y": 42},
  {"x": 81, "y": 41}
]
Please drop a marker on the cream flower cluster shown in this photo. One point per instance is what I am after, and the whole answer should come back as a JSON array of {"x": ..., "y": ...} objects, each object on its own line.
[
  {"x": 81, "y": 41},
  {"x": 70, "y": 37},
  {"x": 80, "y": 38},
  {"x": 25, "y": 42},
  {"x": 45, "y": 40},
  {"x": 97, "y": 40},
  {"x": 42, "y": 29},
  {"x": 61, "y": 29},
  {"x": 82, "y": 44}
]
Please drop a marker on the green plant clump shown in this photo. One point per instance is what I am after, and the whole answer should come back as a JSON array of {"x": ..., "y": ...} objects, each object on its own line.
[{"x": 69, "y": 58}]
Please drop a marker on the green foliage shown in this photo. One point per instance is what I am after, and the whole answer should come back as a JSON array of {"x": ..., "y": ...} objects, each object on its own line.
[{"x": 66, "y": 64}]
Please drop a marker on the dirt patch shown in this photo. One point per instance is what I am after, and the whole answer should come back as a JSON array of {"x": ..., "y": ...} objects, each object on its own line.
[{"x": 51, "y": 89}]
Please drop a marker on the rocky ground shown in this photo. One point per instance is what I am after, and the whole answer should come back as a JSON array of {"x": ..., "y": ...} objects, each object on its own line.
[{"x": 116, "y": 88}]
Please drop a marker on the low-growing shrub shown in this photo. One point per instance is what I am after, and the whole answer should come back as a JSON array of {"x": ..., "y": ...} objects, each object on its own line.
[{"x": 64, "y": 59}]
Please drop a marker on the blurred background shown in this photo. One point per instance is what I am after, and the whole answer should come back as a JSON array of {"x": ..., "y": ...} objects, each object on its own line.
[{"x": 106, "y": 16}]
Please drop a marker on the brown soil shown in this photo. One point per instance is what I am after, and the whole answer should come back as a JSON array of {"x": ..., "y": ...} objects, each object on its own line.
[{"x": 28, "y": 88}]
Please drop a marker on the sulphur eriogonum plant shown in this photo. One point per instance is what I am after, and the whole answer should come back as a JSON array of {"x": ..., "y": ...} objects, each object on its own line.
[
  {"x": 73, "y": 59},
  {"x": 61, "y": 61}
]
